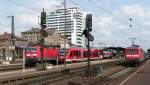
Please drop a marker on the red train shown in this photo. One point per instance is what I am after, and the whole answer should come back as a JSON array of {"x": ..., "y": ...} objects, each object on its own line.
[
  {"x": 134, "y": 55},
  {"x": 33, "y": 54}
]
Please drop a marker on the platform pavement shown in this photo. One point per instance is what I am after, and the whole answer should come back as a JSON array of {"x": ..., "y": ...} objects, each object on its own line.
[
  {"x": 140, "y": 77},
  {"x": 60, "y": 67}
]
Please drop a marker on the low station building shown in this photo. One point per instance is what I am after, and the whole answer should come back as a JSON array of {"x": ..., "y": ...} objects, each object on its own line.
[{"x": 6, "y": 45}]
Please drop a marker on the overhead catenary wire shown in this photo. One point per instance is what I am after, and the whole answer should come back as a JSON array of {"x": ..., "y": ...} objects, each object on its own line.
[
  {"x": 22, "y": 5},
  {"x": 125, "y": 16},
  {"x": 107, "y": 11},
  {"x": 78, "y": 5},
  {"x": 83, "y": 8},
  {"x": 95, "y": 16}
]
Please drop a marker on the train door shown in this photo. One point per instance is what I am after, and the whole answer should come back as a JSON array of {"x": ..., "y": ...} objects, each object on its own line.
[
  {"x": 77, "y": 55},
  {"x": 69, "y": 56}
]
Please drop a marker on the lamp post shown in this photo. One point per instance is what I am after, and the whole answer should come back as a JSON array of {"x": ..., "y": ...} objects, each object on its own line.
[{"x": 65, "y": 31}]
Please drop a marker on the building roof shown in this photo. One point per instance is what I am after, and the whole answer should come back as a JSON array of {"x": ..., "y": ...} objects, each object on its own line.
[
  {"x": 51, "y": 30},
  {"x": 69, "y": 8},
  {"x": 36, "y": 30},
  {"x": 32, "y": 30},
  {"x": 7, "y": 36}
]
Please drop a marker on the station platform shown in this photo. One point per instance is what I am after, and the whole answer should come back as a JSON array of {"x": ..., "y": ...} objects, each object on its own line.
[
  {"x": 53, "y": 68},
  {"x": 140, "y": 77}
]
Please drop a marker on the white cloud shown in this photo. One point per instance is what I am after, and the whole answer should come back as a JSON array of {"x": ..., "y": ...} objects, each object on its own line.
[
  {"x": 135, "y": 10},
  {"x": 32, "y": 12},
  {"x": 27, "y": 14},
  {"x": 103, "y": 21},
  {"x": 111, "y": 28},
  {"x": 47, "y": 4},
  {"x": 28, "y": 19}
]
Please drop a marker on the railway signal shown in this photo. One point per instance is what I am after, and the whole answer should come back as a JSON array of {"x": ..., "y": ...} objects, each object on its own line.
[
  {"x": 89, "y": 22},
  {"x": 43, "y": 34},
  {"x": 88, "y": 28},
  {"x": 43, "y": 24},
  {"x": 87, "y": 34},
  {"x": 43, "y": 19}
]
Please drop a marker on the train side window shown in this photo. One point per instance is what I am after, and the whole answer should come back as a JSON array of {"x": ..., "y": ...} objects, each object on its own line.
[
  {"x": 75, "y": 53},
  {"x": 71, "y": 53},
  {"x": 96, "y": 54},
  {"x": 87, "y": 53},
  {"x": 79, "y": 53},
  {"x": 84, "y": 54},
  {"x": 28, "y": 49}
]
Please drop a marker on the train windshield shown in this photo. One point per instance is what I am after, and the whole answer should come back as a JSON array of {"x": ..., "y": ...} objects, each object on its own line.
[
  {"x": 63, "y": 52},
  {"x": 131, "y": 51},
  {"x": 31, "y": 50}
]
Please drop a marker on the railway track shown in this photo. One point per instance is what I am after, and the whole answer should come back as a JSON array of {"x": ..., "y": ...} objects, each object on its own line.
[
  {"x": 109, "y": 80},
  {"x": 11, "y": 67},
  {"x": 118, "y": 77}
]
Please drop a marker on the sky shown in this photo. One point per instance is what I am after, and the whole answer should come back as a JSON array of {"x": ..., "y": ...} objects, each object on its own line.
[{"x": 110, "y": 18}]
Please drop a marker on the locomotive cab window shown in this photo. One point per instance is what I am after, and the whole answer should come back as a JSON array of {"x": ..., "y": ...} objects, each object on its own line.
[
  {"x": 132, "y": 51},
  {"x": 28, "y": 49},
  {"x": 31, "y": 49}
]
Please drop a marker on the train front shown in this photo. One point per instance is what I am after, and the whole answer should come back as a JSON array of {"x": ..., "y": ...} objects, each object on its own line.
[{"x": 133, "y": 55}]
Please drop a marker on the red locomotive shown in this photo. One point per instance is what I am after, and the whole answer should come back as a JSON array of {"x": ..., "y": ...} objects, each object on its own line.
[
  {"x": 134, "y": 55},
  {"x": 33, "y": 54}
]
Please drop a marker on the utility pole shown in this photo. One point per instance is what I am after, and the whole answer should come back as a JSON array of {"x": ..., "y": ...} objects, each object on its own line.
[
  {"x": 133, "y": 41},
  {"x": 132, "y": 38},
  {"x": 12, "y": 46},
  {"x": 65, "y": 31}
]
